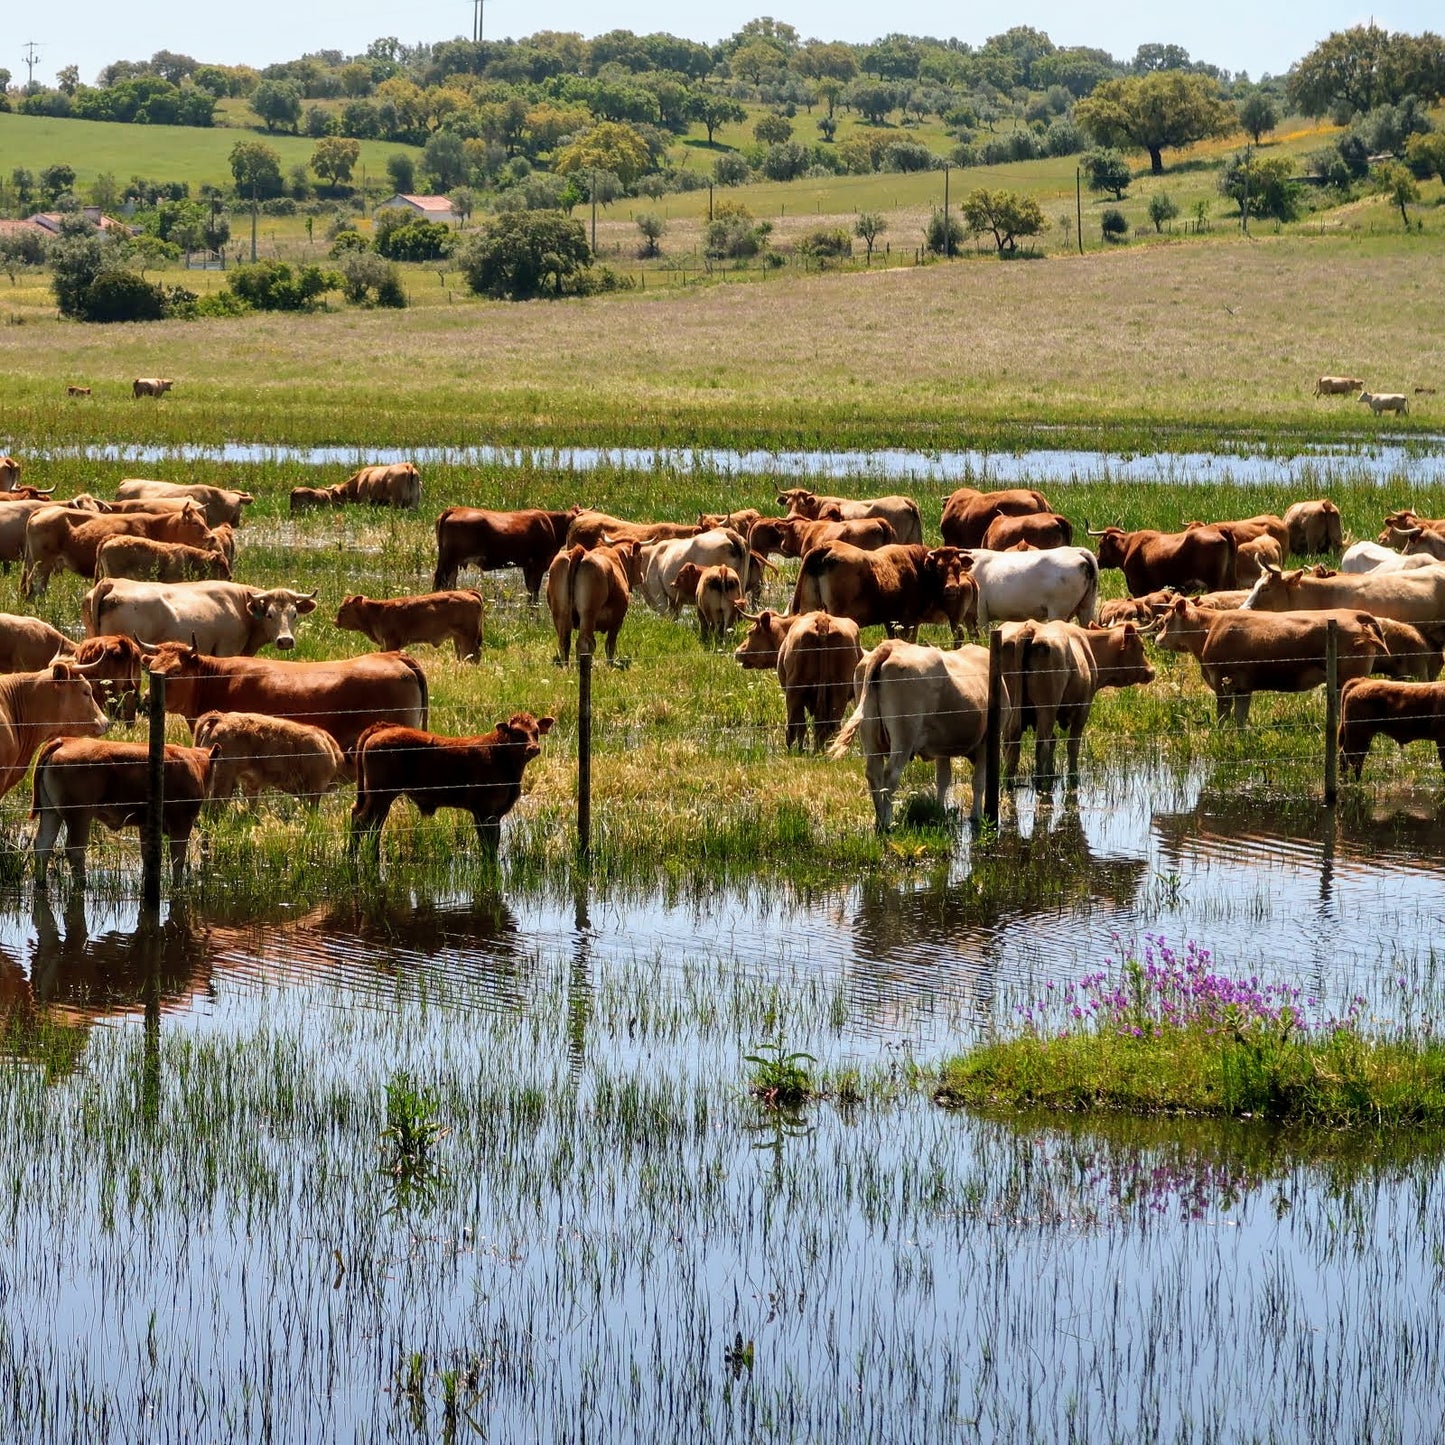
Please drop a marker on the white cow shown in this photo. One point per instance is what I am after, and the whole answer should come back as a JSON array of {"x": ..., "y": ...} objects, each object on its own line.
[
  {"x": 221, "y": 619},
  {"x": 920, "y": 702},
  {"x": 1057, "y": 585},
  {"x": 1416, "y": 595},
  {"x": 662, "y": 561},
  {"x": 1379, "y": 401},
  {"x": 1372, "y": 557}
]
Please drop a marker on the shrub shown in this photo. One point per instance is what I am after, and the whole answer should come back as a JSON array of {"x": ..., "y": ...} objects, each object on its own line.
[
  {"x": 523, "y": 254},
  {"x": 1161, "y": 209},
  {"x": 1006, "y": 215},
  {"x": 786, "y": 162},
  {"x": 908, "y": 155},
  {"x": 1425, "y": 155},
  {"x": 826, "y": 243},
  {"x": 1113, "y": 224},
  {"x": 77, "y": 257},
  {"x": 122, "y": 296},
  {"x": 220, "y": 303},
  {"x": 653, "y": 228},
  {"x": 279, "y": 206},
  {"x": 1264, "y": 184},
  {"x": 274, "y": 286},
  {"x": 404, "y": 239},
  {"x": 733, "y": 235},
  {"x": 944, "y": 242},
  {"x": 365, "y": 276},
  {"x": 347, "y": 243},
  {"x": 1063, "y": 137},
  {"x": 1108, "y": 170}
]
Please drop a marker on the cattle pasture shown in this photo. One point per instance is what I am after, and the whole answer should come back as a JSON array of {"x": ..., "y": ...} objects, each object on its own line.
[{"x": 690, "y": 769}]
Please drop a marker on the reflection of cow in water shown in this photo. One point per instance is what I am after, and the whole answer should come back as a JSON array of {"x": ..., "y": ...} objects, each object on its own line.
[{"x": 911, "y": 941}]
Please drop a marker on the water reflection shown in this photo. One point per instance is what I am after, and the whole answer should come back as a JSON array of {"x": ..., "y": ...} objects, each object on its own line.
[{"x": 948, "y": 932}]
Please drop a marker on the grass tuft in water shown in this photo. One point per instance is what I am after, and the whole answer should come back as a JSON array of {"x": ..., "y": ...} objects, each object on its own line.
[
  {"x": 780, "y": 1077},
  {"x": 1166, "y": 1034}
]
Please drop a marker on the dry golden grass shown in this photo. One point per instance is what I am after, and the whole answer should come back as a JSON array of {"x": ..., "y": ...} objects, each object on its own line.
[{"x": 1186, "y": 335}]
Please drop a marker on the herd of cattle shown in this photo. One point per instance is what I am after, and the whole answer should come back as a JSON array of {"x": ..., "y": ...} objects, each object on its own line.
[{"x": 160, "y": 555}]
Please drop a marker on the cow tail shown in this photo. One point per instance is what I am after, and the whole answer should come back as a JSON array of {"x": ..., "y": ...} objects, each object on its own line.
[
  {"x": 419, "y": 673},
  {"x": 574, "y": 560},
  {"x": 808, "y": 594},
  {"x": 1088, "y": 606},
  {"x": 869, "y": 706},
  {"x": 41, "y": 758},
  {"x": 93, "y": 604}
]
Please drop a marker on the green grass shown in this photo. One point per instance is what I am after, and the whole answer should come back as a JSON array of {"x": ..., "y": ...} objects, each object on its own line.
[{"x": 159, "y": 152}]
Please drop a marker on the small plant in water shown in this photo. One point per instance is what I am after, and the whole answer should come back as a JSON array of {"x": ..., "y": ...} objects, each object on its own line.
[
  {"x": 780, "y": 1079},
  {"x": 412, "y": 1127}
]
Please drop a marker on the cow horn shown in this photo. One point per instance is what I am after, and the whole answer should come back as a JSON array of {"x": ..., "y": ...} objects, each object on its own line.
[
  {"x": 1409, "y": 531},
  {"x": 44, "y": 491},
  {"x": 1091, "y": 532},
  {"x": 751, "y": 616}
]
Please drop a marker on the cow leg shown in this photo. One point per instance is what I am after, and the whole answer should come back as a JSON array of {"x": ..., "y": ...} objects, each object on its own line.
[
  {"x": 46, "y": 834},
  {"x": 1223, "y": 705},
  {"x": 564, "y": 646},
  {"x": 884, "y": 771},
  {"x": 797, "y": 724},
  {"x": 1043, "y": 757},
  {"x": 368, "y": 814},
  {"x": 1076, "y": 742},
  {"x": 1241, "y": 708},
  {"x": 532, "y": 579},
  {"x": 489, "y": 832},
  {"x": 178, "y": 858},
  {"x": 77, "y": 840},
  {"x": 942, "y": 779}
]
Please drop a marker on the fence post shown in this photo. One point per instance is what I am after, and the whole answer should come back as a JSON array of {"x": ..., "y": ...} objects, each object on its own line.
[
  {"x": 155, "y": 799},
  {"x": 584, "y": 757},
  {"x": 993, "y": 725},
  {"x": 1332, "y": 712}
]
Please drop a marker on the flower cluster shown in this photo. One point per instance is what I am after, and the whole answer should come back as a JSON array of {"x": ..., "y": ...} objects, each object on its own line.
[{"x": 1165, "y": 990}]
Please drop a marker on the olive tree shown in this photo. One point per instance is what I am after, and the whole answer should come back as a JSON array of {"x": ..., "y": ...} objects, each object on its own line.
[{"x": 1006, "y": 214}]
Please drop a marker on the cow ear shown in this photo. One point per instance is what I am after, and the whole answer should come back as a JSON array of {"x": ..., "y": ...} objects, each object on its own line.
[
  {"x": 544, "y": 725},
  {"x": 1180, "y": 605},
  {"x": 257, "y": 605},
  {"x": 59, "y": 671},
  {"x": 1130, "y": 630},
  {"x": 305, "y": 604}
]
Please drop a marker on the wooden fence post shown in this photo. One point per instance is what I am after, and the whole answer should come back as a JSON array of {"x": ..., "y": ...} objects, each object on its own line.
[
  {"x": 155, "y": 800},
  {"x": 993, "y": 724},
  {"x": 1332, "y": 712},
  {"x": 584, "y": 757}
]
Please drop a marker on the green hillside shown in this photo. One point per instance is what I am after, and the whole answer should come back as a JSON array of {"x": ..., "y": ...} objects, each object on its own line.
[{"x": 160, "y": 152}]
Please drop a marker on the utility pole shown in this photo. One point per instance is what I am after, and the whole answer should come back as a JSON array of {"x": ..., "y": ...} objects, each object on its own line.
[
  {"x": 253, "y": 216},
  {"x": 947, "y": 237},
  {"x": 1244, "y": 204},
  {"x": 32, "y": 56},
  {"x": 593, "y": 189},
  {"x": 1079, "y": 206}
]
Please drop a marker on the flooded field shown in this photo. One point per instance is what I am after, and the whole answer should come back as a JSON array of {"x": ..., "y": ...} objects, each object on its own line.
[
  {"x": 208, "y": 1234},
  {"x": 1420, "y": 463}
]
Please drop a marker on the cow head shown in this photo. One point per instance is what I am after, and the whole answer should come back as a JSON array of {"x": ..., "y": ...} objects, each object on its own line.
[
  {"x": 765, "y": 536},
  {"x": 189, "y": 525},
  {"x": 1424, "y": 541},
  {"x": 950, "y": 589},
  {"x": 1273, "y": 590},
  {"x": 764, "y": 639},
  {"x": 524, "y": 731},
  {"x": 1113, "y": 543},
  {"x": 631, "y": 555},
  {"x": 69, "y": 705},
  {"x": 1119, "y": 656},
  {"x": 800, "y": 502},
  {"x": 112, "y": 664},
  {"x": 347, "y": 617},
  {"x": 273, "y": 616},
  {"x": 1181, "y": 627},
  {"x": 684, "y": 585}
]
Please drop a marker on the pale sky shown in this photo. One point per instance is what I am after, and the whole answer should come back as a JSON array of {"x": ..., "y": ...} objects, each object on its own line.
[{"x": 1234, "y": 34}]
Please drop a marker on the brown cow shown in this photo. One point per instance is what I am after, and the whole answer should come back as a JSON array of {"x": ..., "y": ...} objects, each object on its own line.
[
  {"x": 82, "y": 781},
  {"x": 15, "y": 517},
  {"x": 51, "y": 702},
  {"x": 9, "y": 472},
  {"x": 480, "y": 775},
  {"x": 1139, "y": 610},
  {"x": 77, "y": 391},
  {"x": 1241, "y": 653},
  {"x": 1196, "y": 558},
  {"x": 1038, "y": 529},
  {"x": 899, "y": 587},
  {"x": 815, "y": 657},
  {"x": 306, "y": 499},
  {"x": 144, "y": 560},
  {"x": 1406, "y": 712},
  {"x": 716, "y": 592},
  {"x": 254, "y": 752},
  {"x": 1339, "y": 386},
  {"x": 156, "y": 386},
  {"x": 968, "y": 513},
  {"x": 343, "y": 697},
  {"x": 589, "y": 589},
  {"x": 1314, "y": 528},
  {"x": 1406, "y": 526},
  {"x": 900, "y": 512},
  {"x": 1252, "y": 557},
  {"x": 471, "y": 537},
  {"x": 64, "y": 539},
  {"x": 595, "y": 529},
  {"x": 1058, "y": 668},
  {"x": 740, "y": 521},
  {"x": 27, "y": 644},
  {"x": 222, "y": 505},
  {"x": 112, "y": 665},
  {"x": 1250, "y": 529},
  {"x": 1416, "y": 653},
  {"x": 797, "y": 536},
  {"x": 393, "y": 484},
  {"x": 435, "y": 617}
]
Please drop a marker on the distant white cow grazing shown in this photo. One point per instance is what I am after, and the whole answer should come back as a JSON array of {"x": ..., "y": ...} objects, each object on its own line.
[
  {"x": 1372, "y": 557},
  {"x": 1338, "y": 385},
  {"x": 1379, "y": 401}
]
